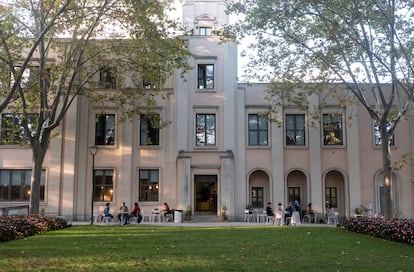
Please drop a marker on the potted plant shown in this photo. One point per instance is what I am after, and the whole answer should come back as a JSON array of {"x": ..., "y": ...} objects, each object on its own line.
[
  {"x": 224, "y": 212},
  {"x": 358, "y": 212},
  {"x": 188, "y": 213}
]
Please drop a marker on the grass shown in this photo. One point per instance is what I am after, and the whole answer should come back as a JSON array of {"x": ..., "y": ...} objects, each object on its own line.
[{"x": 146, "y": 248}]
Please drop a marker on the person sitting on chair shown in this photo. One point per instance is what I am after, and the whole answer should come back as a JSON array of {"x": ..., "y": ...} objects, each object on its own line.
[
  {"x": 107, "y": 211},
  {"x": 123, "y": 212},
  {"x": 135, "y": 213},
  {"x": 166, "y": 209},
  {"x": 311, "y": 212}
]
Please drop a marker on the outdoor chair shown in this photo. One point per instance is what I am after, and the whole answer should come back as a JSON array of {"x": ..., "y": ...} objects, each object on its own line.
[{"x": 248, "y": 216}]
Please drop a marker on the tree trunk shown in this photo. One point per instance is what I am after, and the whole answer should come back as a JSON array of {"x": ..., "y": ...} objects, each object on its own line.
[
  {"x": 39, "y": 153},
  {"x": 387, "y": 169}
]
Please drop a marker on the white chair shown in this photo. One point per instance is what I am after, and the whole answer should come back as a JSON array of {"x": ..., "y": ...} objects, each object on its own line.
[
  {"x": 279, "y": 219},
  {"x": 248, "y": 216},
  {"x": 306, "y": 218},
  {"x": 169, "y": 217},
  {"x": 145, "y": 215},
  {"x": 262, "y": 215},
  {"x": 156, "y": 215},
  {"x": 333, "y": 218}
]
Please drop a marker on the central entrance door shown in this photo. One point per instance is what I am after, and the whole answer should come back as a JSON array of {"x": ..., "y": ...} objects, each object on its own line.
[{"x": 205, "y": 194}]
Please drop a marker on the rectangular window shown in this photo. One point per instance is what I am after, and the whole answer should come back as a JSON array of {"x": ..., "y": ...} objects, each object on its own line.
[
  {"x": 257, "y": 197},
  {"x": 205, "y": 76},
  {"x": 293, "y": 194},
  {"x": 149, "y": 130},
  {"x": 104, "y": 184},
  {"x": 12, "y": 131},
  {"x": 258, "y": 130},
  {"x": 295, "y": 129},
  {"x": 107, "y": 77},
  {"x": 105, "y": 129},
  {"x": 331, "y": 197},
  {"x": 30, "y": 77},
  {"x": 205, "y": 130},
  {"x": 148, "y": 185},
  {"x": 204, "y": 31},
  {"x": 332, "y": 129},
  {"x": 377, "y": 135},
  {"x": 15, "y": 185}
]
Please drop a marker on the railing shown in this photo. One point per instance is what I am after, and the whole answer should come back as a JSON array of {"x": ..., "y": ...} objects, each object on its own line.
[{"x": 13, "y": 210}]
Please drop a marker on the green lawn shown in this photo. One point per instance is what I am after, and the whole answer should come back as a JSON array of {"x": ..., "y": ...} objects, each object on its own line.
[{"x": 213, "y": 249}]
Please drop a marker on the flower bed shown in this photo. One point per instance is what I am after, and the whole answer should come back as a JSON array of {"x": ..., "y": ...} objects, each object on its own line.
[
  {"x": 398, "y": 230},
  {"x": 20, "y": 226}
]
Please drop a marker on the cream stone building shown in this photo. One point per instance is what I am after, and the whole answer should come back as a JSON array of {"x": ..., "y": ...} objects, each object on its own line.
[{"x": 217, "y": 145}]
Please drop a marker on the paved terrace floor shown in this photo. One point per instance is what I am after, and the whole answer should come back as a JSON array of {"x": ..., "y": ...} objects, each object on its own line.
[{"x": 199, "y": 222}]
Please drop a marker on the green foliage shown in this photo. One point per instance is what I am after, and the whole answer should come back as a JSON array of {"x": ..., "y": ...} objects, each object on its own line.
[
  {"x": 310, "y": 46},
  {"x": 52, "y": 52},
  {"x": 17, "y": 226},
  {"x": 177, "y": 248}
]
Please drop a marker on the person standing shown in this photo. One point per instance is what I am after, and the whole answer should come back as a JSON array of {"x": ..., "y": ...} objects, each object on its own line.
[
  {"x": 269, "y": 210},
  {"x": 213, "y": 198}
]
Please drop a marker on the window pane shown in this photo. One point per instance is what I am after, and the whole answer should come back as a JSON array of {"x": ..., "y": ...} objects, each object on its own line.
[
  {"x": 258, "y": 129},
  {"x": 148, "y": 185},
  {"x": 377, "y": 134},
  {"x": 205, "y": 76},
  {"x": 105, "y": 129},
  {"x": 332, "y": 129},
  {"x": 295, "y": 129},
  {"x": 205, "y": 129},
  {"x": 149, "y": 133},
  {"x": 103, "y": 185}
]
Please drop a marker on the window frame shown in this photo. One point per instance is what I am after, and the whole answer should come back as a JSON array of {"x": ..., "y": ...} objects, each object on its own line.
[
  {"x": 257, "y": 197},
  {"x": 294, "y": 193},
  {"x": 328, "y": 200},
  {"x": 333, "y": 141},
  {"x": 145, "y": 126},
  {"x": 21, "y": 138},
  {"x": 257, "y": 130},
  {"x": 105, "y": 141},
  {"x": 202, "y": 78},
  {"x": 206, "y": 134},
  {"x": 108, "y": 77},
  {"x": 204, "y": 31},
  {"x": 145, "y": 188},
  {"x": 296, "y": 130},
  {"x": 23, "y": 189},
  {"x": 377, "y": 138},
  {"x": 103, "y": 189}
]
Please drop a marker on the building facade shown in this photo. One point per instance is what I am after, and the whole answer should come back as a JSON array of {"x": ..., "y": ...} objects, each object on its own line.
[{"x": 218, "y": 149}]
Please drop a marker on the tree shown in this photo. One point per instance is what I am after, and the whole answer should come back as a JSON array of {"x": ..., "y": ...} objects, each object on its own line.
[
  {"x": 53, "y": 52},
  {"x": 365, "y": 45}
]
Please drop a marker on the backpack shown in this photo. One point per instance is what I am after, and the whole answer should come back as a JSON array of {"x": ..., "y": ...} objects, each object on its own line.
[{"x": 139, "y": 219}]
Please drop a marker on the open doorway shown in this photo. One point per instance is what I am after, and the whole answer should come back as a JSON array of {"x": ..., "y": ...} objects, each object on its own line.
[{"x": 205, "y": 194}]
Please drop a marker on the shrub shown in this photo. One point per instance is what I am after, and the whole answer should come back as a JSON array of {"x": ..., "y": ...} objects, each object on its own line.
[
  {"x": 20, "y": 226},
  {"x": 398, "y": 230}
]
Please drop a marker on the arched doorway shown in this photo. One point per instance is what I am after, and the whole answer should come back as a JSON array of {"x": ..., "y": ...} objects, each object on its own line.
[
  {"x": 297, "y": 188},
  {"x": 259, "y": 189},
  {"x": 335, "y": 192}
]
